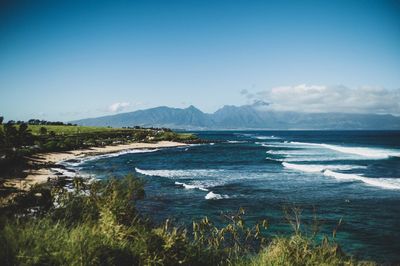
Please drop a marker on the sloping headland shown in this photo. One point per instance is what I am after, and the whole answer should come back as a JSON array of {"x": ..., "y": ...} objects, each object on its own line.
[{"x": 30, "y": 151}]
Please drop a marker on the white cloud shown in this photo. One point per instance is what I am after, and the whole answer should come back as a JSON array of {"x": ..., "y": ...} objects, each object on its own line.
[
  {"x": 118, "y": 107},
  {"x": 317, "y": 98}
]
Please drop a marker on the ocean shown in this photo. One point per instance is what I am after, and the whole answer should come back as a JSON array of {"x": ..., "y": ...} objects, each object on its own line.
[{"x": 352, "y": 176}]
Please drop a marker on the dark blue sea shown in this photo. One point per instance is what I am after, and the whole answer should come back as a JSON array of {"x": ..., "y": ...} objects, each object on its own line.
[{"x": 353, "y": 176}]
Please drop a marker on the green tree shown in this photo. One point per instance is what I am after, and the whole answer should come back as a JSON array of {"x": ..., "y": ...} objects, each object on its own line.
[
  {"x": 10, "y": 135},
  {"x": 1, "y": 120},
  {"x": 2, "y": 138},
  {"x": 24, "y": 135},
  {"x": 43, "y": 131}
]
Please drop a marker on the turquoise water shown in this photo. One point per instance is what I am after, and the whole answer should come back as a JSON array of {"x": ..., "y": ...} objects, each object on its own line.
[{"x": 348, "y": 175}]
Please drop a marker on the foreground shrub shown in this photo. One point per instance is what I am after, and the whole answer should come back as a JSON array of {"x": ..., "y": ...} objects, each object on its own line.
[
  {"x": 300, "y": 250},
  {"x": 98, "y": 224}
]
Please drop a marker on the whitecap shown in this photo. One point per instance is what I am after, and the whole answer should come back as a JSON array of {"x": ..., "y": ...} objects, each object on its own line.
[
  {"x": 187, "y": 186},
  {"x": 293, "y": 152},
  {"x": 236, "y": 141},
  {"x": 316, "y": 168},
  {"x": 179, "y": 173},
  {"x": 386, "y": 183},
  {"x": 267, "y": 137},
  {"x": 214, "y": 196},
  {"x": 375, "y": 153}
]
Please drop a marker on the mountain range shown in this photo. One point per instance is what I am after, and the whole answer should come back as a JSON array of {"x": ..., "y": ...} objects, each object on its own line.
[{"x": 252, "y": 116}]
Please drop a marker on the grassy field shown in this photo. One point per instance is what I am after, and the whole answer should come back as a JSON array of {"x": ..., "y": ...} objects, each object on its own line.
[
  {"x": 71, "y": 130},
  {"x": 74, "y": 130}
]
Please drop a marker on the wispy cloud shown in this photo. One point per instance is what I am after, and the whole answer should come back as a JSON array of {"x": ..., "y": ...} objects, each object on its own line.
[
  {"x": 118, "y": 107},
  {"x": 320, "y": 98}
]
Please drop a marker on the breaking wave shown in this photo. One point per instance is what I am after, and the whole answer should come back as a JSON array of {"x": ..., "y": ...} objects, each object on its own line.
[
  {"x": 179, "y": 173},
  {"x": 187, "y": 186},
  {"x": 267, "y": 137},
  {"x": 327, "y": 170},
  {"x": 236, "y": 141},
  {"x": 374, "y": 153},
  {"x": 386, "y": 183},
  {"x": 214, "y": 196},
  {"x": 315, "y": 168}
]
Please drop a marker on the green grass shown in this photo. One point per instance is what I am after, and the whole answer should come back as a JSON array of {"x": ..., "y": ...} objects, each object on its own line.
[
  {"x": 74, "y": 130},
  {"x": 185, "y": 136},
  {"x": 300, "y": 250},
  {"x": 71, "y": 130}
]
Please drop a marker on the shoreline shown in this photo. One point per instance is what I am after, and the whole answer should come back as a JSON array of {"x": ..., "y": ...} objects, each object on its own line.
[{"x": 46, "y": 161}]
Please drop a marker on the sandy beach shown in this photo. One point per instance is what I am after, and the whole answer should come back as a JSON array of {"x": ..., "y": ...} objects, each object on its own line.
[{"x": 41, "y": 175}]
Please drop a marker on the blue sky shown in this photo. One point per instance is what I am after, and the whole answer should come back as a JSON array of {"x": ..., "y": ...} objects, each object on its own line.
[{"x": 64, "y": 60}]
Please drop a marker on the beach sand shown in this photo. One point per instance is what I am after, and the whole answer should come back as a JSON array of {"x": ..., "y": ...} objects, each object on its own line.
[{"x": 43, "y": 174}]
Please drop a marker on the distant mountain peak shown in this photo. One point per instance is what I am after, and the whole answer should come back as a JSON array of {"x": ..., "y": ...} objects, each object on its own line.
[
  {"x": 251, "y": 116},
  {"x": 192, "y": 107}
]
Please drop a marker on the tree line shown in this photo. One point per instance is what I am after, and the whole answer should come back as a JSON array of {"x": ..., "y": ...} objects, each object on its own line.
[{"x": 36, "y": 122}]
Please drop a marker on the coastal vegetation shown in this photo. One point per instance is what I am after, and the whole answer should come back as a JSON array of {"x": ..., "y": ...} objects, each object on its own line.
[
  {"x": 20, "y": 140},
  {"x": 99, "y": 224}
]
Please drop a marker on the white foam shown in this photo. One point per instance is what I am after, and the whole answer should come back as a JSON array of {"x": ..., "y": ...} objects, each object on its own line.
[
  {"x": 309, "y": 159},
  {"x": 266, "y": 137},
  {"x": 108, "y": 155},
  {"x": 186, "y": 186},
  {"x": 309, "y": 155},
  {"x": 386, "y": 183},
  {"x": 293, "y": 152},
  {"x": 206, "y": 178},
  {"x": 316, "y": 168},
  {"x": 327, "y": 170},
  {"x": 115, "y": 154},
  {"x": 375, "y": 153},
  {"x": 263, "y": 144},
  {"x": 274, "y": 159},
  {"x": 74, "y": 163},
  {"x": 214, "y": 196},
  {"x": 179, "y": 173},
  {"x": 236, "y": 141}
]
